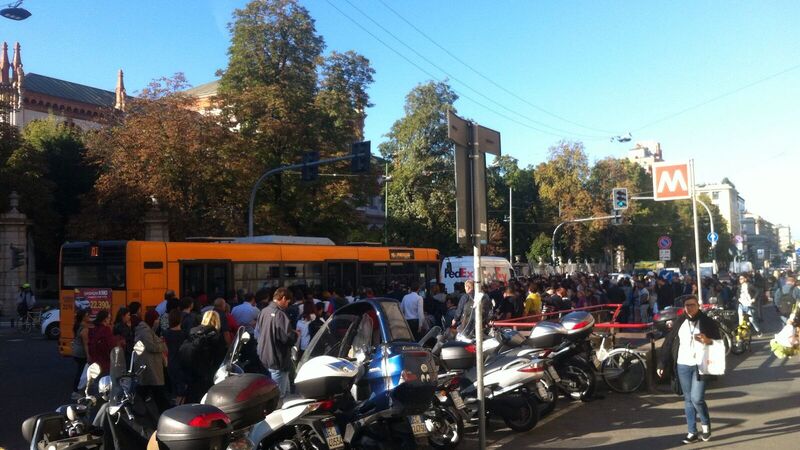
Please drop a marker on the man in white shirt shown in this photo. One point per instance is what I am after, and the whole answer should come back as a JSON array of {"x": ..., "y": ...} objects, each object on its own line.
[
  {"x": 412, "y": 307},
  {"x": 246, "y": 313}
]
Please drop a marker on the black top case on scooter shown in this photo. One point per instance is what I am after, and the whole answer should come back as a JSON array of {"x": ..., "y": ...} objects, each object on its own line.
[
  {"x": 457, "y": 355},
  {"x": 193, "y": 427},
  {"x": 246, "y": 398}
]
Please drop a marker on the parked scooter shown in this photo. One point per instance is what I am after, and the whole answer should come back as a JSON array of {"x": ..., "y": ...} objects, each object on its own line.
[
  {"x": 243, "y": 398},
  {"x": 364, "y": 383},
  {"x": 127, "y": 419},
  {"x": 69, "y": 426},
  {"x": 566, "y": 344}
]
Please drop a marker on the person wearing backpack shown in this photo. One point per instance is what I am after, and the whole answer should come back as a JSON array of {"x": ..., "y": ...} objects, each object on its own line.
[
  {"x": 201, "y": 354},
  {"x": 786, "y": 297}
]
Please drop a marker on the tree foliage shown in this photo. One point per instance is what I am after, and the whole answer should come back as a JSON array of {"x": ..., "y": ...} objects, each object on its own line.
[
  {"x": 284, "y": 97},
  {"x": 422, "y": 188}
]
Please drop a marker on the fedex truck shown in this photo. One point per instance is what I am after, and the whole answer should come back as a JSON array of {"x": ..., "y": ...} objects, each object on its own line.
[{"x": 462, "y": 268}]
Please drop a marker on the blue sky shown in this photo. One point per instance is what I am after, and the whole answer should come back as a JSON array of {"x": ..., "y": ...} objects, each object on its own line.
[{"x": 599, "y": 68}]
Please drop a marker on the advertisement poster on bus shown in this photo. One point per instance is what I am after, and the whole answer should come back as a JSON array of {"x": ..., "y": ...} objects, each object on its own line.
[{"x": 95, "y": 299}]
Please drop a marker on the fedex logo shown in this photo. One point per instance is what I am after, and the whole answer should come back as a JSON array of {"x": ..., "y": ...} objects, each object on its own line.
[{"x": 461, "y": 272}]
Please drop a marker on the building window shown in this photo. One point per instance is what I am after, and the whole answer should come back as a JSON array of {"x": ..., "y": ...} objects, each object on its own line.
[{"x": 715, "y": 195}]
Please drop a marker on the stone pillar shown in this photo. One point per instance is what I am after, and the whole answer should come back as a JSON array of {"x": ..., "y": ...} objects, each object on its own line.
[
  {"x": 13, "y": 238},
  {"x": 156, "y": 225}
]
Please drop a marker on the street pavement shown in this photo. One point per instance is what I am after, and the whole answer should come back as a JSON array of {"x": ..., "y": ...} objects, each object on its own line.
[
  {"x": 755, "y": 405},
  {"x": 35, "y": 378}
]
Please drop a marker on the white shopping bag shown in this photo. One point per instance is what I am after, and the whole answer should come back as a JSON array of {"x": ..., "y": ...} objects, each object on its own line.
[
  {"x": 713, "y": 359},
  {"x": 787, "y": 337}
]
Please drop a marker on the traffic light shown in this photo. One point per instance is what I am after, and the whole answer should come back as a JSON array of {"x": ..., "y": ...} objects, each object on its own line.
[
  {"x": 619, "y": 197},
  {"x": 361, "y": 157},
  {"x": 17, "y": 257},
  {"x": 310, "y": 173}
]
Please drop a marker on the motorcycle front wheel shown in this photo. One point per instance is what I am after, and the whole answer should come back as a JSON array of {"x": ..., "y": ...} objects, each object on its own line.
[
  {"x": 445, "y": 427},
  {"x": 577, "y": 379}
]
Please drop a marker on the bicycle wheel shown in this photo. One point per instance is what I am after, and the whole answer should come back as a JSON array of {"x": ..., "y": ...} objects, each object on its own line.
[
  {"x": 624, "y": 370},
  {"x": 727, "y": 339}
]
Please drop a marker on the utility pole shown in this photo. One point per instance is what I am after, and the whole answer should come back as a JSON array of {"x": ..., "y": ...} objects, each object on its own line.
[
  {"x": 511, "y": 225},
  {"x": 472, "y": 142}
]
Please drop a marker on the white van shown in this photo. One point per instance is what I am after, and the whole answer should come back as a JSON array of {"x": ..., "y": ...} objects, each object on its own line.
[{"x": 462, "y": 268}]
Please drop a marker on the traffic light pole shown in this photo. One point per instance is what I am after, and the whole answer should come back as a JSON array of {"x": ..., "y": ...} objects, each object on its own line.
[
  {"x": 587, "y": 219},
  {"x": 280, "y": 169}
]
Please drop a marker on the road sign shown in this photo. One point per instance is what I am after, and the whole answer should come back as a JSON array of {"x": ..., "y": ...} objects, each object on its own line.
[
  {"x": 738, "y": 239},
  {"x": 664, "y": 242},
  {"x": 712, "y": 237},
  {"x": 671, "y": 181},
  {"x": 665, "y": 254}
]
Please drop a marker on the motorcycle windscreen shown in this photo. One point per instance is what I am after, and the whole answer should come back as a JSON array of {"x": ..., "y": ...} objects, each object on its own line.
[{"x": 118, "y": 364}]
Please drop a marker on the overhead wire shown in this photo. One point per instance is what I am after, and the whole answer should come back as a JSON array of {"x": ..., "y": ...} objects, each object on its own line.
[
  {"x": 562, "y": 133},
  {"x": 489, "y": 80},
  {"x": 719, "y": 97}
]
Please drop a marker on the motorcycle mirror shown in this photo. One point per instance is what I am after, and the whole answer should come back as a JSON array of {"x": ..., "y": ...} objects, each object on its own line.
[
  {"x": 295, "y": 354},
  {"x": 104, "y": 386},
  {"x": 93, "y": 371},
  {"x": 245, "y": 337},
  {"x": 113, "y": 410},
  {"x": 138, "y": 348}
]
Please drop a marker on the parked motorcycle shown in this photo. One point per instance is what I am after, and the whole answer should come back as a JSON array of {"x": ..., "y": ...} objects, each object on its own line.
[
  {"x": 365, "y": 383},
  {"x": 69, "y": 426},
  {"x": 237, "y": 399}
]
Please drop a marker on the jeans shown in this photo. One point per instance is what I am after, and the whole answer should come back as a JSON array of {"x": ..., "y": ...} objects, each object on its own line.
[
  {"x": 749, "y": 310},
  {"x": 282, "y": 378},
  {"x": 694, "y": 393}
]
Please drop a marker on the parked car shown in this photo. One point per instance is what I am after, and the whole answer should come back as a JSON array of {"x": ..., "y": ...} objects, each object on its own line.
[{"x": 51, "y": 323}]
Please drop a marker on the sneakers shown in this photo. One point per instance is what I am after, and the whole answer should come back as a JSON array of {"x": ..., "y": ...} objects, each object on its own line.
[
  {"x": 705, "y": 435},
  {"x": 690, "y": 438}
]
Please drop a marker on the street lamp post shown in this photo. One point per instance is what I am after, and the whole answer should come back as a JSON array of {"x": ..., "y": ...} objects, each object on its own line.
[{"x": 386, "y": 203}]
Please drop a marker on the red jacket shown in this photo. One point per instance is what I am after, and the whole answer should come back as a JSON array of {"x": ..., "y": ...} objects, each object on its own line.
[{"x": 101, "y": 342}]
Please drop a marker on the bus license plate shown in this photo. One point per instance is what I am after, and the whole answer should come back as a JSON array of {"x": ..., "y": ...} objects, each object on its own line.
[
  {"x": 553, "y": 373},
  {"x": 333, "y": 437},
  {"x": 458, "y": 402},
  {"x": 417, "y": 426}
]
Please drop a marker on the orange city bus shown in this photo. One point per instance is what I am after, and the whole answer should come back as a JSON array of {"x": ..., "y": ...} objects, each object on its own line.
[{"x": 111, "y": 274}]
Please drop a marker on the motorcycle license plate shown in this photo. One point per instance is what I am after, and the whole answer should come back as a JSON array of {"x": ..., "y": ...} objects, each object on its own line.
[
  {"x": 542, "y": 389},
  {"x": 418, "y": 426},
  {"x": 553, "y": 373},
  {"x": 333, "y": 437},
  {"x": 458, "y": 402}
]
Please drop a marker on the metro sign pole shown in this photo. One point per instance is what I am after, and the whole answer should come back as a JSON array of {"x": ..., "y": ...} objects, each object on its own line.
[{"x": 673, "y": 181}]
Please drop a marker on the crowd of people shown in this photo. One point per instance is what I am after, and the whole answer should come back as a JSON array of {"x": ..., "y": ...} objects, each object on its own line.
[{"x": 186, "y": 338}]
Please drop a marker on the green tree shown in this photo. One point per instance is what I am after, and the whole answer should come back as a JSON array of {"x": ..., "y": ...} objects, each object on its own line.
[
  {"x": 561, "y": 182},
  {"x": 540, "y": 249},
  {"x": 283, "y": 97},
  {"x": 501, "y": 176},
  {"x": 422, "y": 190}
]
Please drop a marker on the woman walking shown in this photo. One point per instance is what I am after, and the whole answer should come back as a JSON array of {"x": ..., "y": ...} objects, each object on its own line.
[
  {"x": 684, "y": 350},
  {"x": 151, "y": 380},
  {"x": 101, "y": 341},
  {"x": 80, "y": 348}
]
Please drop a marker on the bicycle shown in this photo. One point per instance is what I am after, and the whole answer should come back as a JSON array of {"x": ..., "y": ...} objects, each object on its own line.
[
  {"x": 743, "y": 336},
  {"x": 727, "y": 320},
  {"x": 32, "y": 320},
  {"x": 623, "y": 369}
]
